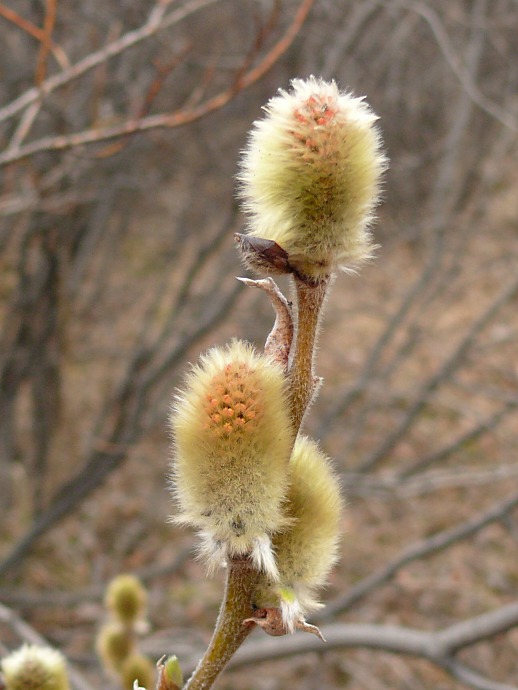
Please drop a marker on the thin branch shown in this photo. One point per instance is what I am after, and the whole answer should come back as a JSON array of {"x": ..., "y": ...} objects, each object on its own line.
[
  {"x": 464, "y": 77},
  {"x": 48, "y": 27},
  {"x": 157, "y": 21},
  {"x": 439, "y": 647},
  {"x": 473, "y": 434},
  {"x": 177, "y": 118},
  {"x": 35, "y": 32},
  {"x": 393, "y": 486},
  {"x": 453, "y": 362}
]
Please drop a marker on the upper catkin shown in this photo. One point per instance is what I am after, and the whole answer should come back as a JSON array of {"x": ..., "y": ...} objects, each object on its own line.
[
  {"x": 32, "y": 667},
  {"x": 232, "y": 441},
  {"x": 307, "y": 549},
  {"x": 310, "y": 176}
]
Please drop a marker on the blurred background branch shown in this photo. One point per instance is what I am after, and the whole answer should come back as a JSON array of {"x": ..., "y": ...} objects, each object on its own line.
[{"x": 120, "y": 127}]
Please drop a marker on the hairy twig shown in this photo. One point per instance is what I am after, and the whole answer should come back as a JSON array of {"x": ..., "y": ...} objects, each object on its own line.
[
  {"x": 230, "y": 631},
  {"x": 303, "y": 382}
]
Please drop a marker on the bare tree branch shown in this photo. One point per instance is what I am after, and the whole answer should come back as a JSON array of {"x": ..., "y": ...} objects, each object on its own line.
[
  {"x": 465, "y": 78},
  {"x": 177, "y": 118},
  {"x": 421, "y": 549},
  {"x": 439, "y": 647},
  {"x": 456, "y": 359}
]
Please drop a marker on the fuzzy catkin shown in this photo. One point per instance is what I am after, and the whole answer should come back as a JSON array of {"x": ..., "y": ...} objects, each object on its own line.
[
  {"x": 307, "y": 549},
  {"x": 310, "y": 176},
  {"x": 126, "y": 599},
  {"x": 232, "y": 441},
  {"x": 114, "y": 643},
  {"x": 33, "y": 667}
]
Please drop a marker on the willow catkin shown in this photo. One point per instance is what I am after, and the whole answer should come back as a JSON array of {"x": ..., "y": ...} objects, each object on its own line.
[{"x": 232, "y": 441}]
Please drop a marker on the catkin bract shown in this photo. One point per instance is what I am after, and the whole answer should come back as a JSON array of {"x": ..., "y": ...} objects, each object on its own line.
[{"x": 232, "y": 440}]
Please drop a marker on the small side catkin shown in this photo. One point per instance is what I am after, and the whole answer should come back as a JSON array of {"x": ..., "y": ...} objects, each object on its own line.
[
  {"x": 310, "y": 176},
  {"x": 126, "y": 599},
  {"x": 232, "y": 441},
  {"x": 32, "y": 667},
  {"x": 307, "y": 549},
  {"x": 114, "y": 644}
]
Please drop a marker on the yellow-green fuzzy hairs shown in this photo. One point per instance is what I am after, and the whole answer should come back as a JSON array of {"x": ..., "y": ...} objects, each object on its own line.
[
  {"x": 232, "y": 441},
  {"x": 310, "y": 176},
  {"x": 307, "y": 549},
  {"x": 35, "y": 668}
]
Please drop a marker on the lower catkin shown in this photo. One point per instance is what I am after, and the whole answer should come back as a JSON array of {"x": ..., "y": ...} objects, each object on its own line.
[
  {"x": 232, "y": 440},
  {"x": 307, "y": 549}
]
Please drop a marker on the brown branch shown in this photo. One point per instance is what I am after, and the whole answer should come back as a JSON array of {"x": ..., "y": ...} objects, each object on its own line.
[
  {"x": 163, "y": 71},
  {"x": 451, "y": 364},
  {"x": 421, "y": 549},
  {"x": 48, "y": 27},
  {"x": 157, "y": 21},
  {"x": 178, "y": 118},
  {"x": 35, "y": 32},
  {"x": 438, "y": 647}
]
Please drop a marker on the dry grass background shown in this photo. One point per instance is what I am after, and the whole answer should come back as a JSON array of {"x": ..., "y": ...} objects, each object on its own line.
[{"x": 104, "y": 254}]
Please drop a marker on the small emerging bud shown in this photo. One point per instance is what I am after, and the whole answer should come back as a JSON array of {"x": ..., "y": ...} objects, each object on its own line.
[
  {"x": 233, "y": 438},
  {"x": 172, "y": 672},
  {"x": 307, "y": 549},
  {"x": 35, "y": 668},
  {"x": 126, "y": 599},
  {"x": 310, "y": 176}
]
